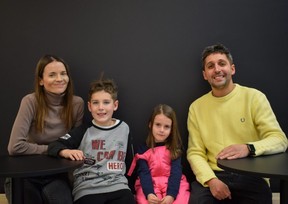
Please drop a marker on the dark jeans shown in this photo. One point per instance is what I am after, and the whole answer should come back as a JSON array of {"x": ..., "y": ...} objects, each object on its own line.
[
  {"x": 44, "y": 190},
  {"x": 122, "y": 196},
  {"x": 244, "y": 190}
]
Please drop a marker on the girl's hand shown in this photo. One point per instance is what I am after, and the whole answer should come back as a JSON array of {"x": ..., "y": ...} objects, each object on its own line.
[
  {"x": 73, "y": 154},
  {"x": 153, "y": 199},
  {"x": 167, "y": 200}
]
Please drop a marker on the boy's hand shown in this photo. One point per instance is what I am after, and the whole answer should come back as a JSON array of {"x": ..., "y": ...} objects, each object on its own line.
[{"x": 73, "y": 154}]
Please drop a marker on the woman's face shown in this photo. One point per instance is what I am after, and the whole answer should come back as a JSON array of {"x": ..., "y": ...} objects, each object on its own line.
[{"x": 55, "y": 78}]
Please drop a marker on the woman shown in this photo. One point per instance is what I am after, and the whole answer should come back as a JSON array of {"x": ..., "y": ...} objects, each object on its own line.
[{"x": 45, "y": 115}]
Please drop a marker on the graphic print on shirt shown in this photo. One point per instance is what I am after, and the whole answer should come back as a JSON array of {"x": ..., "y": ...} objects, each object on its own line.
[
  {"x": 116, "y": 158},
  {"x": 102, "y": 159}
]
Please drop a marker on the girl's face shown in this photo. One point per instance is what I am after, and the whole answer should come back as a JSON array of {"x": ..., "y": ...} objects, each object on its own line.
[
  {"x": 102, "y": 108},
  {"x": 55, "y": 78},
  {"x": 161, "y": 127}
]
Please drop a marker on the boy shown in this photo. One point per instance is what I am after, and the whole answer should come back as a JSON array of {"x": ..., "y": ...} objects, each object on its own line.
[{"x": 102, "y": 144}]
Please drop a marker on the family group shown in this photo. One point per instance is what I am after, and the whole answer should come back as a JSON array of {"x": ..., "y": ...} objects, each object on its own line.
[{"x": 229, "y": 122}]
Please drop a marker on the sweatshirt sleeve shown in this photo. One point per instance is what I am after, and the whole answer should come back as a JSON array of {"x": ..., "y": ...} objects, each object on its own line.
[
  {"x": 272, "y": 138},
  {"x": 144, "y": 173},
  {"x": 71, "y": 140},
  {"x": 145, "y": 177},
  {"x": 196, "y": 151},
  {"x": 174, "y": 178}
]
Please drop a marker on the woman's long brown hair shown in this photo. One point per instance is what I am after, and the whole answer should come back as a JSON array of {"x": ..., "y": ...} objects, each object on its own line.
[{"x": 41, "y": 98}]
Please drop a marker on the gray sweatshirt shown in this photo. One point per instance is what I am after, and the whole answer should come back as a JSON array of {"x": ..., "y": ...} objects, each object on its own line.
[{"x": 105, "y": 151}]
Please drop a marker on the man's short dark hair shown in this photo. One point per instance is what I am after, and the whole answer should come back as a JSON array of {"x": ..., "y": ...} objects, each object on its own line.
[{"x": 217, "y": 48}]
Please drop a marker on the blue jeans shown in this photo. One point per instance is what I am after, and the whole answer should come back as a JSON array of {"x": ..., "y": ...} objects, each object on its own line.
[
  {"x": 244, "y": 190},
  {"x": 44, "y": 190}
]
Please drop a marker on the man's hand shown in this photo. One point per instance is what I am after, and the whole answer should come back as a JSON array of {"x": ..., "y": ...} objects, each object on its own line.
[
  {"x": 73, "y": 154},
  {"x": 219, "y": 189},
  {"x": 167, "y": 200},
  {"x": 234, "y": 152}
]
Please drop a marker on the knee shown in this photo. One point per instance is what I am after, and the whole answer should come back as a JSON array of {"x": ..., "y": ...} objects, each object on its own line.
[{"x": 57, "y": 191}]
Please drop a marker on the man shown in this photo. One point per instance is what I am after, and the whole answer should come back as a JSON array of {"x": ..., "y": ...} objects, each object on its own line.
[{"x": 229, "y": 122}]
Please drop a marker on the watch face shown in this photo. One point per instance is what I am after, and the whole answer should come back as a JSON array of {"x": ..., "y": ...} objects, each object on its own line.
[{"x": 251, "y": 149}]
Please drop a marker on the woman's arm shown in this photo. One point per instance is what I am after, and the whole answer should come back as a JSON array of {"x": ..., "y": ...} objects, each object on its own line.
[{"x": 19, "y": 140}]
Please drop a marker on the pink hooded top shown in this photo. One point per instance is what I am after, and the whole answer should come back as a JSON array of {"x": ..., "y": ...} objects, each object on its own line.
[{"x": 159, "y": 163}]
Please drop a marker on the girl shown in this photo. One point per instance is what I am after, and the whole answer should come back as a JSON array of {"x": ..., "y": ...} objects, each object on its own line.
[{"x": 160, "y": 178}]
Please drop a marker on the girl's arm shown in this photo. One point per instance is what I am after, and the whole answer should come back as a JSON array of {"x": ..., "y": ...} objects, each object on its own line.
[
  {"x": 145, "y": 177},
  {"x": 144, "y": 173},
  {"x": 174, "y": 178}
]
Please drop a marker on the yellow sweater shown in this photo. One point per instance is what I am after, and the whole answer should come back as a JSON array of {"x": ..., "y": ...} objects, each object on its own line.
[{"x": 241, "y": 117}]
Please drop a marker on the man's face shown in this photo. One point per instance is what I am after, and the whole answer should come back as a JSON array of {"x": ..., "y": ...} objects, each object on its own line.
[{"x": 218, "y": 71}]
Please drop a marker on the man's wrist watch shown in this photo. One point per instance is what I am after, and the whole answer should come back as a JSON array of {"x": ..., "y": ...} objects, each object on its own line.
[{"x": 251, "y": 149}]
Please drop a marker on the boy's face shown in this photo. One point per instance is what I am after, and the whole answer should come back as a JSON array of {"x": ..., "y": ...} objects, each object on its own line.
[{"x": 102, "y": 108}]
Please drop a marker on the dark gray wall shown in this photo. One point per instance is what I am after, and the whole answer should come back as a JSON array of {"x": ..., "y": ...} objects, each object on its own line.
[{"x": 150, "y": 47}]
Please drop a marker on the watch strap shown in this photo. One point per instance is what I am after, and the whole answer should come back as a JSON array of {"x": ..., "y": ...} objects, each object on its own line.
[{"x": 251, "y": 149}]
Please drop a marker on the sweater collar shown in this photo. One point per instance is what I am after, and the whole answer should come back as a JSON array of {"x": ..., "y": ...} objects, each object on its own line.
[
  {"x": 228, "y": 96},
  {"x": 54, "y": 99}
]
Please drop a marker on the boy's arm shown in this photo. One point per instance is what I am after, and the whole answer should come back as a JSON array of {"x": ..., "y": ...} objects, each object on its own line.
[
  {"x": 71, "y": 140},
  {"x": 55, "y": 147},
  {"x": 73, "y": 154}
]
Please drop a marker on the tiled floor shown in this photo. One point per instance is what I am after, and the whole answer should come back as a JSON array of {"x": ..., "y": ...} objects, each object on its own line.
[
  {"x": 3, "y": 199},
  {"x": 276, "y": 199}
]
